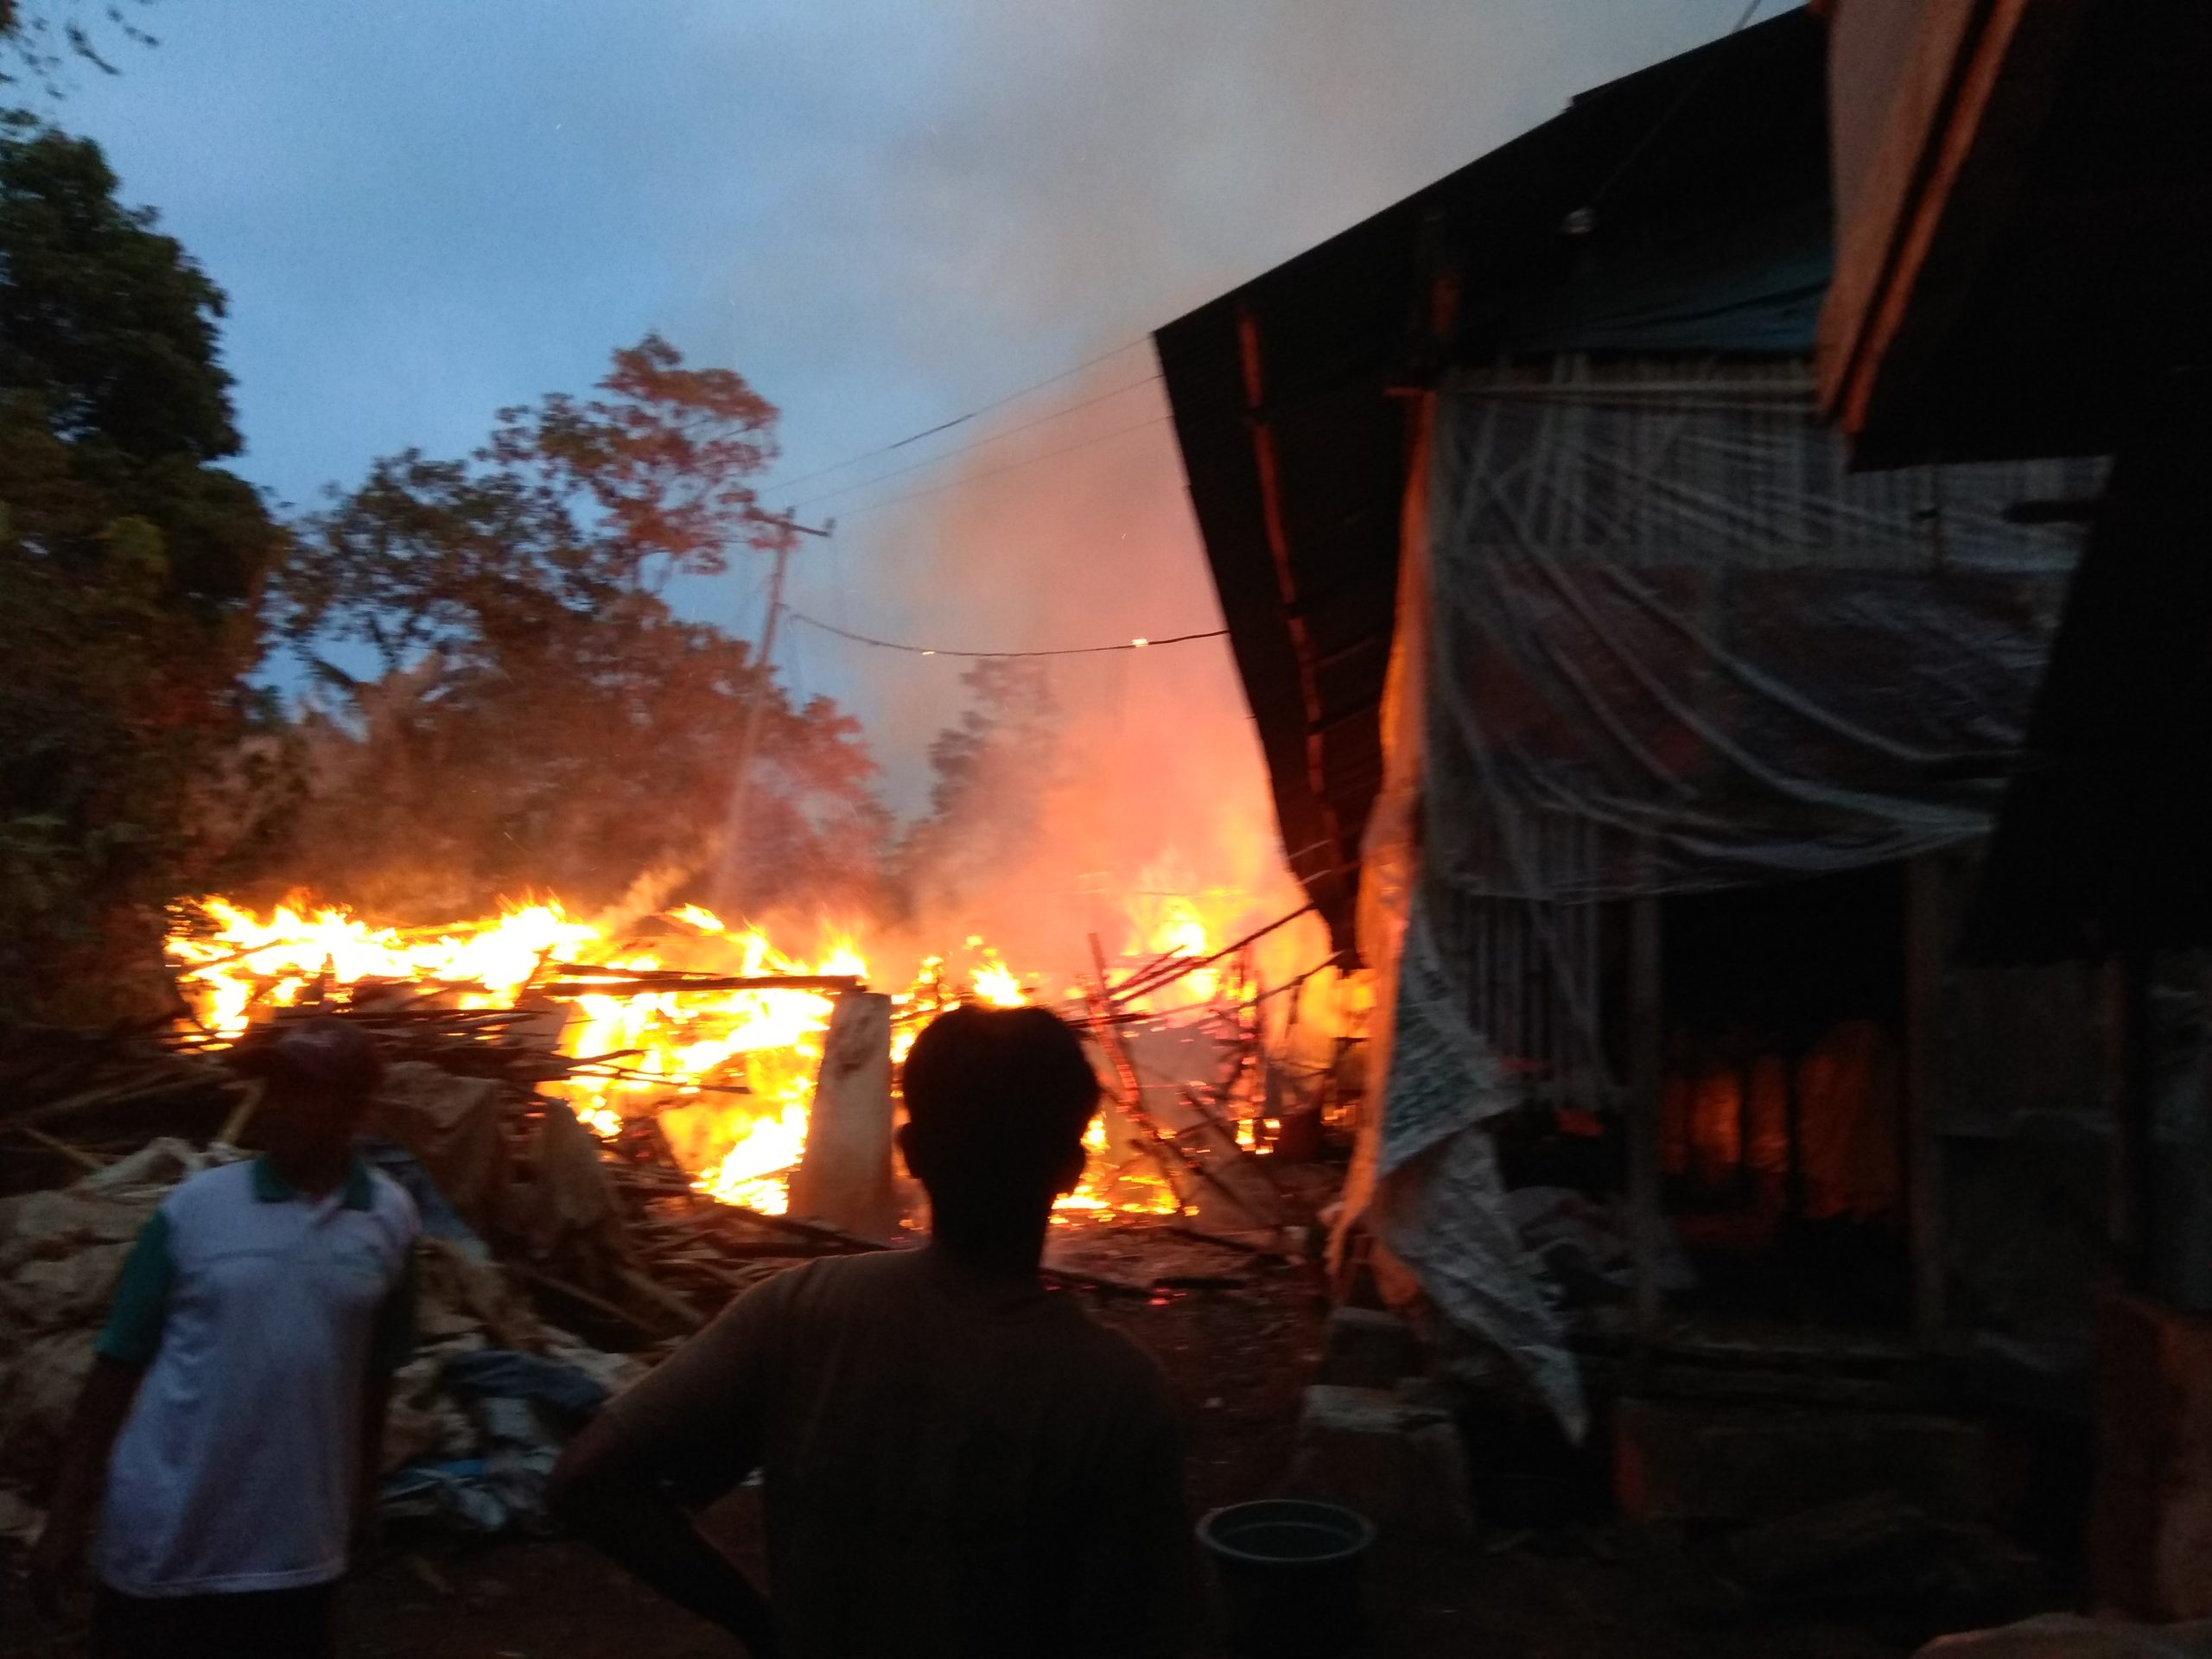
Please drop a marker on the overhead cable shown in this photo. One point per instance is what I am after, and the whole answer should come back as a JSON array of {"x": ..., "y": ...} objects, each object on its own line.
[
  {"x": 965, "y": 449},
  {"x": 783, "y": 484},
  {"x": 1012, "y": 466},
  {"x": 1140, "y": 643}
]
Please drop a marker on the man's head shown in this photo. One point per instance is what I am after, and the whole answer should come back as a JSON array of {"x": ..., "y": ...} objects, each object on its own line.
[
  {"x": 317, "y": 1075},
  {"x": 997, "y": 1101}
]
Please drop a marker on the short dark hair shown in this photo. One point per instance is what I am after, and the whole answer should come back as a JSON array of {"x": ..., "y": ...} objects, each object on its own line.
[
  {"x": 319, "y": 1052},
  {"x": 1004, "y": 1090}
]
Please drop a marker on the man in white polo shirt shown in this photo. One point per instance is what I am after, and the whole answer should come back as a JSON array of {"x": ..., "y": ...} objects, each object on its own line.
[{"x": 229, "y": 1431}]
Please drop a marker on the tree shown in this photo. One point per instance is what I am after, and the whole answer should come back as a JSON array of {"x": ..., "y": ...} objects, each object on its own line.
[
  {"x": 40, "y": 39},
  {"x": 571, "y": 509},
  {"x": 129, "y": 563},
  {"x": 540, "y": 718}
]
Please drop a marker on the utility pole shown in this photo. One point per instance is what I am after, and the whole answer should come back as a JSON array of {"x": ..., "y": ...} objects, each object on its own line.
[{"x": 740, "y": 785}]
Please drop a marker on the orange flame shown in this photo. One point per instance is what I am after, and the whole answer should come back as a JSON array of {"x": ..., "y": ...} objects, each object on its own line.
[{"x": 730, "y": 1075}]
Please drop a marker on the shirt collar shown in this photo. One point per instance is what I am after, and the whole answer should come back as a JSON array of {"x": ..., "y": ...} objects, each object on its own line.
[{"x": 269, "y": 1188}]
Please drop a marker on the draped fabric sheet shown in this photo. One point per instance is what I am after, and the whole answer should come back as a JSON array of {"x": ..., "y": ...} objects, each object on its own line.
[
  {"x": 1653, "y": 638},
  {"x": 1439, "y": 1201},
  {"x": 1424, "y": 1177}
]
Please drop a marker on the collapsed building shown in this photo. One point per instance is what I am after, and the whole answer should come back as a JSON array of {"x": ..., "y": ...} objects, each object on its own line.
[{"x": 1649, "y": 749}]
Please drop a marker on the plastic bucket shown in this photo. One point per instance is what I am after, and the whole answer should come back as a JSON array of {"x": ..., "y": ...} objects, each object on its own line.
[{"x": 1289, "y": 1571}]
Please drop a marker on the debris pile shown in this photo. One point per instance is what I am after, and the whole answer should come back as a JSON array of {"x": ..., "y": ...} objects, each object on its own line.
[
  {"x": 567, "y": 1244},
  {"x": 584, "y": 1269}
]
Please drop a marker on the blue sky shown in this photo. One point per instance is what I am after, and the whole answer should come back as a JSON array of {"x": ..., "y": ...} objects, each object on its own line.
[{"x": 881, "y": 213}]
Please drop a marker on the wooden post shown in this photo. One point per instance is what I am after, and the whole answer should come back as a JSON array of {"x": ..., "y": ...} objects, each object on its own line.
[
  {"x": 843, "y": 1178},
  {"x": 1927, "y": 947},
  {"x": 727, "y": 891},
  {"x": 1150, "y": 1138},
  {"x": 1646, "y": 1069},
  {"x": 1110, "y": 1041}
]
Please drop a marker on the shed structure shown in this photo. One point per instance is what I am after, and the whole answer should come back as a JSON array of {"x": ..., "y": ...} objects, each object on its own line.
[{"x": 1639, "y": 747}]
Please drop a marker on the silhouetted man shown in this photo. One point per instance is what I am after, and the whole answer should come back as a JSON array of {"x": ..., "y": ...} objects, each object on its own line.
[{"x": 958, "y": 1462}]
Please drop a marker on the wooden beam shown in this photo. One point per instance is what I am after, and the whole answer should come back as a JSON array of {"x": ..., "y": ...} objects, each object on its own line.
[
  {"x": 1263, "y": 461},
  {"x": 616, "y": 982},
  {"x": 1874, "y": 205},
  {"x": 1968, "y": 180}
]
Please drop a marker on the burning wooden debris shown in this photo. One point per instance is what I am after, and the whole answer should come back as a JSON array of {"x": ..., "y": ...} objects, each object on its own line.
[
  {"x": 718, "y": 1036},
  {"x": 691, "y": 1054},
  {"x": 609, "y": 1137}
]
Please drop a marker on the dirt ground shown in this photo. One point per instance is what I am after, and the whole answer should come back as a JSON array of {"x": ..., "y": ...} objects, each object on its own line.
[{"x": 1238, "y": 1359}]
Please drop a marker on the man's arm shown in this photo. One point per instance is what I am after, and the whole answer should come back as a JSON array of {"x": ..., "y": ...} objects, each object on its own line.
[
  {"x": 101, "y": 1408},
  {"x": 599, "y": 1492},
  {"x": 127, "y": 1342},
  {"x": 391, "y": 1344},
  {"x": 368, "y": 1472},
  {"x": 695, "y": 1425}
]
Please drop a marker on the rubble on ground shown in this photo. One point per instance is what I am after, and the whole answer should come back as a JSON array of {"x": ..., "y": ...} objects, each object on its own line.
[
  {"x": 554, "y": 1265},
  {"x": 552, "y": 1269},
  {"x": 560, "y": 1256},
  {"x": 1394, "y": 1454}
]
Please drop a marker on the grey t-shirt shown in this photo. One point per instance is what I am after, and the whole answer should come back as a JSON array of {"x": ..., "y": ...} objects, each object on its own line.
[{"x": 955, "y": 1466}]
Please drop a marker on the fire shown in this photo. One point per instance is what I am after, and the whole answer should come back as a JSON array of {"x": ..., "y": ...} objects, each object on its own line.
[
  {"x": 1170, "y": 924},
  {"x": 729, "y": 1074},
  {"x": 756, "y": 1170},
  {"x": 1136, "y": 1191},
  {"x": 242, "y": 961},
  {"x": 995, "y": 983}
]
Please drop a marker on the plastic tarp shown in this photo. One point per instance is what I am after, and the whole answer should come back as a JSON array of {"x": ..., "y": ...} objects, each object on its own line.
[
  {"x": 456, "y": 1126},
  {"x": 1668, "y": 616},
  {"x": 60, "y": 1252},
  {"x": 1424, "y": 1176},
  {"x": 1434, "y": 1196},
  {"x": 1653, "y": 638}
]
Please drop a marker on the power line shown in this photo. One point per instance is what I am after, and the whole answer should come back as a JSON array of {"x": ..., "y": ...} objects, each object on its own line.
[
  {"x": 965, "y": 449},
  {"x": 957, "y": 420},
  {"x": 1011, "y": 466},
  {"x": 937, "y": 650}
]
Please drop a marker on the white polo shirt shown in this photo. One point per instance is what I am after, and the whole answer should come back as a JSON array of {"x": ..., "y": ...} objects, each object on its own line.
[{"x": 259, "y": 1314}]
